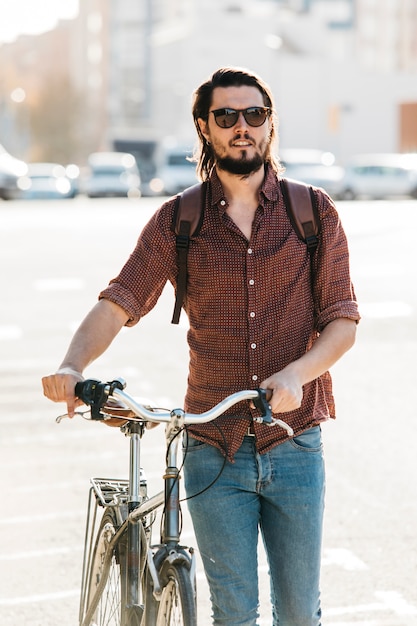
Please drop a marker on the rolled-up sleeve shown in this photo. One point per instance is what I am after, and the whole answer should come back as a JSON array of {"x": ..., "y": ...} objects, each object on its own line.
[
  {"x": 151, "y": 264},
  {"x": 333, "y": 291}
]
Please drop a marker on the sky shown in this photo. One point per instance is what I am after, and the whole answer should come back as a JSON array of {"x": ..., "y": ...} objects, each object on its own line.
[{"x": 31, "y": 17}]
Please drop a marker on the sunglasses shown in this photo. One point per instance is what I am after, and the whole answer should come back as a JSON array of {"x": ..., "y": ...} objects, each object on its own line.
[{"x": 254, "y": 116}]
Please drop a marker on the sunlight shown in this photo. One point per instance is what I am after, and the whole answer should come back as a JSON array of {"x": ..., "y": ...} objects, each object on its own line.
[{"x": 20, "y": 18}]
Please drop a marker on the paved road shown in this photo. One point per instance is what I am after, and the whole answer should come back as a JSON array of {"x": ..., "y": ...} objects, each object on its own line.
[{"x": 54, "y": 258}]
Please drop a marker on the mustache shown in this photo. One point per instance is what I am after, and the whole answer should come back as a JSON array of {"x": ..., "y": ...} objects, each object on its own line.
[{"x": 239, "y": 137}]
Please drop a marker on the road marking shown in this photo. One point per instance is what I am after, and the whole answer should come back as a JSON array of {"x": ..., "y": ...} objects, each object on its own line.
[
  {"x": 41, "y": 597},
  {"x": 395, "y": 601},
  {"x": 10, "y": 332},
  {"x": 35, "y": 554},
  {"x": 356, "y": 623},
  {"x": 384, "y": 310},
  {"x": 343, "y": 558},
  {"x": 58, "y": 284},
  {"x": 389, "y": 601},
  {"x": 44, "y": 517}
]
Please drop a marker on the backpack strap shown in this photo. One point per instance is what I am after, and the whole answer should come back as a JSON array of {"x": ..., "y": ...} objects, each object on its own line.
[
  {"x": 188, "y": 217},
  {"x": 300, "y": 203}
]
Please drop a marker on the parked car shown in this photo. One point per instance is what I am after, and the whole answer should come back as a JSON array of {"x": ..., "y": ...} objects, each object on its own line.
[
  {"x": 314, "y": 167},
  {"x": 45, "y": 181},
  {"x": 380, "y": 176},
  {"x": 10, "y": 171},
  {"x": 112, "y": 174},
  {"x": 175, "y": 171}
]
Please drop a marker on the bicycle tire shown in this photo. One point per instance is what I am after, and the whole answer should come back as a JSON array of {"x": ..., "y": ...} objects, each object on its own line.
[
  {"x": 107, "y": 576},
  {"x": 177, "y": 606}
]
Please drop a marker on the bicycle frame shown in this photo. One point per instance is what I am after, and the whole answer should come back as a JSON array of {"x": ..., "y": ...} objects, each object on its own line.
[{"x": 133, "y": 508}]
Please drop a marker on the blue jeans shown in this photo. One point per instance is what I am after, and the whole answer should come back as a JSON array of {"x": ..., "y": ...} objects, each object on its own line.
[{"x": 282, "y": 494}]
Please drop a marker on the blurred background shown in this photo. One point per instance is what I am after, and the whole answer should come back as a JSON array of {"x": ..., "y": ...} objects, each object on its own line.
[{"x": 118, "y": 76}]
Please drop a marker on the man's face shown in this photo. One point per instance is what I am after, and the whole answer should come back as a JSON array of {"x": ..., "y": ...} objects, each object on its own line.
[{"x": 240, "y": 149}]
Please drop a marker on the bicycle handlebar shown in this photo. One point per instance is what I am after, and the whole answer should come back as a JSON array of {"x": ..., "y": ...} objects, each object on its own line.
[{"x": 95, "y": 394}]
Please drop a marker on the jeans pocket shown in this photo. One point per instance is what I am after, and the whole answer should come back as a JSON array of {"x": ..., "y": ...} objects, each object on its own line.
[
  {"x": 190, "y": 444},
  {"x": 309, "y": 440}
]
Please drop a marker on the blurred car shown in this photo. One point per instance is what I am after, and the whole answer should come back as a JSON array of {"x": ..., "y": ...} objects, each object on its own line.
[
  {"x": 11, "y": 170},
  {"x": 175, "y": 171},
  {"x": 380, "y": 176},
  {"x": 45, "y": 181},
  {"x": 112, "y": 174},
  {"x": 314, "y": 167}
]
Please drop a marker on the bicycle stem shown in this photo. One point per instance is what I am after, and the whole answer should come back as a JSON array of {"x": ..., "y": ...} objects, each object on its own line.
[{"x": 171, "y": 527}]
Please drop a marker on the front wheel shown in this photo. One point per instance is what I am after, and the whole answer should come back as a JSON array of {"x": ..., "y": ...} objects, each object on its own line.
[
  {"x": 177, "y": 606},
  {"x": 107, "y": 577}
]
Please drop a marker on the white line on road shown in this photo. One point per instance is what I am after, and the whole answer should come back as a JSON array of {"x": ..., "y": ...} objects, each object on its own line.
[
  {"x": 29, "y": 519},
  {"x": 343, "y": 558},
  {"x": 58, "y": 284},
  {"x": 384, "y": 310},
  {"x": 41, "y": 597},
  {"x": 396, "y": 602},
  {"x": 389, "y": 601},
  {"x": 10, "y": 332},
  {"x": 35, "y": 554}
]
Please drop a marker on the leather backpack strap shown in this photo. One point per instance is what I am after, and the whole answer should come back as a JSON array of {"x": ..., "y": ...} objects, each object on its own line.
[
  {"x": 188, "y": 217},
  {"x": 301, "y": 208},
  {"x": 189, "y": 209}
]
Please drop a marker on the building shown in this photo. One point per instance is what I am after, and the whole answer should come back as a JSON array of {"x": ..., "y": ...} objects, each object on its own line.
[{"x": 343, "y": 72}]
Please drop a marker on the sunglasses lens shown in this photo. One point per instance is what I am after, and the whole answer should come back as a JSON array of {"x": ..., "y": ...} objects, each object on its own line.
[
  {"x": 226, "y": 118},
  {"x": 255, "y": 116}
]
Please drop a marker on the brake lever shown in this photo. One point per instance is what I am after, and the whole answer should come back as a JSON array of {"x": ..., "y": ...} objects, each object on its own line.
[
  {"x": 78, "y": 413},
  {"x": 262, "y": 404}
]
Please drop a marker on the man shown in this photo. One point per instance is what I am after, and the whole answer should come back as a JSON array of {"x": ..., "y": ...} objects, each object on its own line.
[{"x": 259, "y": 316}]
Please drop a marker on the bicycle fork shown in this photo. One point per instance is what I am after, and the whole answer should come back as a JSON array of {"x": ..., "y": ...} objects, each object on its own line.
[{"x": 174, "y": 553}]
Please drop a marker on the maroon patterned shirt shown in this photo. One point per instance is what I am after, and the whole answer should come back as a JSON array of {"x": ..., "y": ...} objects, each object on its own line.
[{"x": 251, "y": 305}]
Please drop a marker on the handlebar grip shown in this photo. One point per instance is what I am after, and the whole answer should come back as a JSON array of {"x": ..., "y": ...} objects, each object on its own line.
[
  {"x": 79, "y": 388},
  {"x": 92, "y": 393},
  {"x": 262, "y": 404},
  {"x": 95, "y": 393}
]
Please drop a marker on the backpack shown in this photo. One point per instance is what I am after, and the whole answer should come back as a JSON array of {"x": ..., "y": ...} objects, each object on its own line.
[{"x": 300, "y": 204}]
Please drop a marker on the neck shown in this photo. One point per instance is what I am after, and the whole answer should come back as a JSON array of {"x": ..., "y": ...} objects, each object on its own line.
[{"x": 241, "y": 186}]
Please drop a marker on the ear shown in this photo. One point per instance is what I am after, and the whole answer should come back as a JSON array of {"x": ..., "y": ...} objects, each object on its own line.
[{"x": 203, "y": 125}]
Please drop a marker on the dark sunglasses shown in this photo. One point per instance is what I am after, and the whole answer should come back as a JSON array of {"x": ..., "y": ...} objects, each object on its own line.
[{"x": 254, "y": 116}]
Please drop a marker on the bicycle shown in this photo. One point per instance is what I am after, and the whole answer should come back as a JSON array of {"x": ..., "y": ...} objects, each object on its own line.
[{"x": 126, "y": 579}]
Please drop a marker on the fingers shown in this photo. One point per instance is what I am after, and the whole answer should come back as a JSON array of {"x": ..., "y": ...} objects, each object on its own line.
[
  {"x": 287, "y": 393},
  {"x": 60, "y": 388}
]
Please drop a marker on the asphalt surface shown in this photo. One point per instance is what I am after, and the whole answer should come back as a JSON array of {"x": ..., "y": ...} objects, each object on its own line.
[{"x": 54, "y": 259}]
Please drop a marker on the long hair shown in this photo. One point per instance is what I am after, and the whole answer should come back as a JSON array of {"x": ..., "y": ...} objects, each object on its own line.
[{"x": 202, "y": 98}]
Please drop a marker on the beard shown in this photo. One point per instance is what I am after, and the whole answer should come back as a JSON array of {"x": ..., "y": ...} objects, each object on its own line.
[{"x": 242, "y": 166}]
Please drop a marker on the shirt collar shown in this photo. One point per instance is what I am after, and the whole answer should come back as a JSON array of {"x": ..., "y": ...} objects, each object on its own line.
[{"x": 269, "y": 190}]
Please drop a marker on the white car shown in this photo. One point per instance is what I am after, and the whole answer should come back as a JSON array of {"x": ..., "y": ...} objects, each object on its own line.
[
  {"x": 113, "y": 174},
  {"x": 11, "y": 170},
  {"x": 176, "y": 171},
  {"x": 380, "y": 176},
  {"x": 44, "y": 181},
  {"x": 314, "y": 167}
]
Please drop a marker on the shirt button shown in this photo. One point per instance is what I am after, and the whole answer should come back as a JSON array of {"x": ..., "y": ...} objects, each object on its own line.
[
  {"x": 222, "y": 202},
  {"x": 254, "y": 377},
  {"x": 251, "y": 282},
  {"x": 251, "y": 314},
  {"x": 250, "y": 251},
  {"x": 253, "y": 346}
]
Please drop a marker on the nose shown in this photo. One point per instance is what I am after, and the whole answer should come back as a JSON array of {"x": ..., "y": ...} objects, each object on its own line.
[{"x": 241, "y": 122}]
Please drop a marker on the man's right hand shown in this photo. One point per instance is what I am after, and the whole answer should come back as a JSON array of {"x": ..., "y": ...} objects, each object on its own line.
[{"x": 60, "y": 387}]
